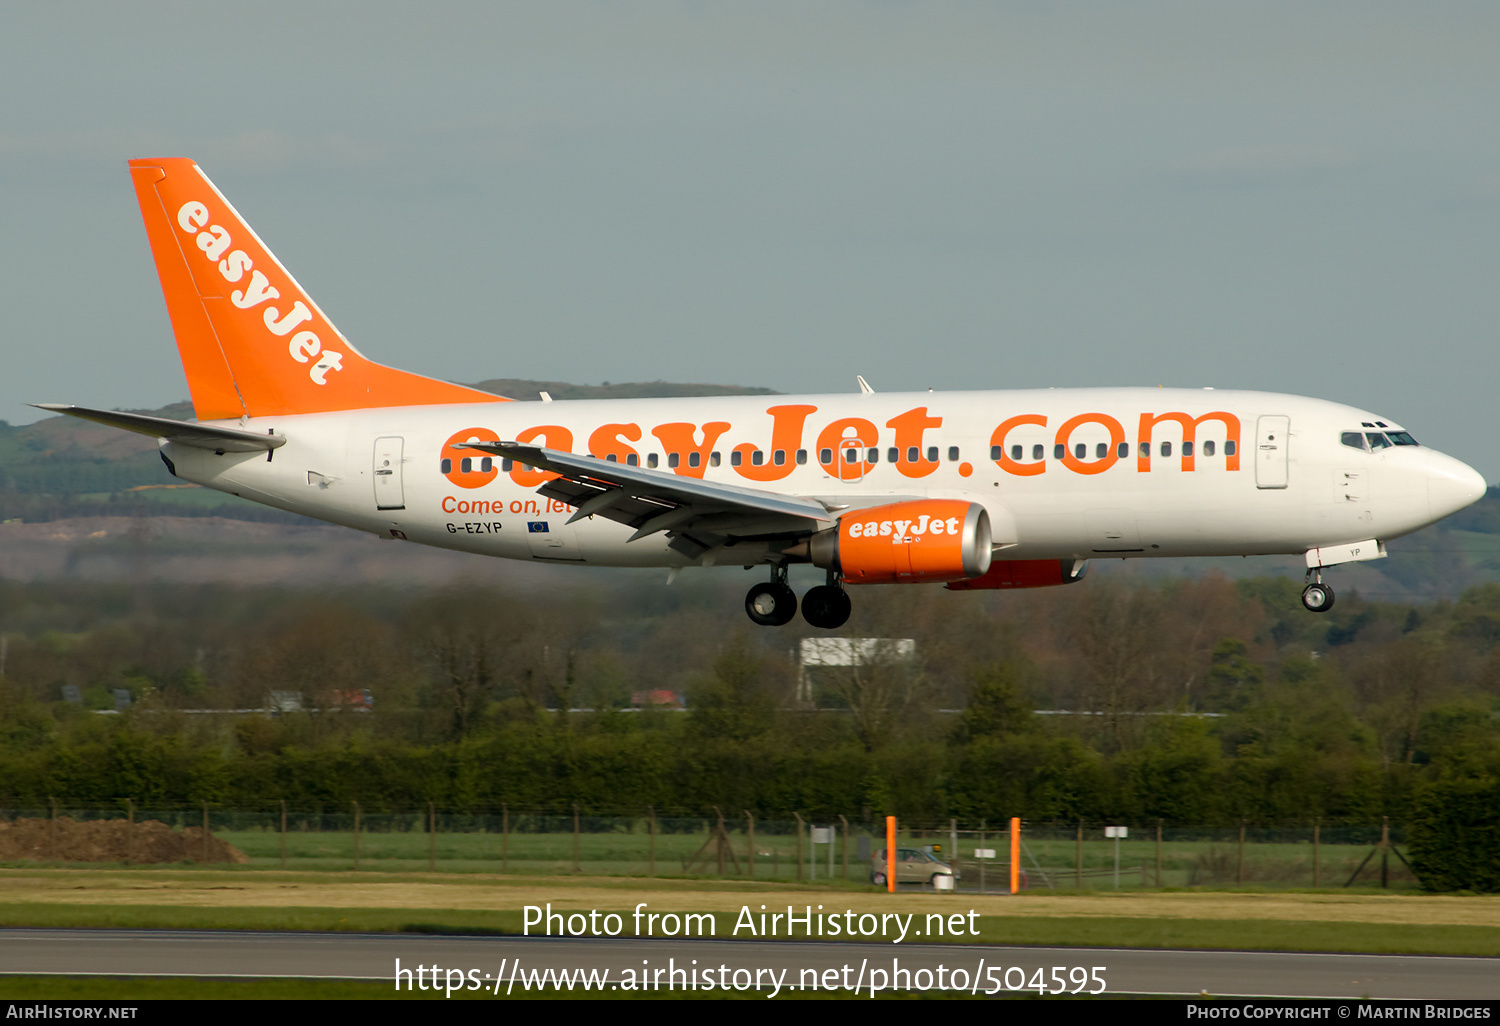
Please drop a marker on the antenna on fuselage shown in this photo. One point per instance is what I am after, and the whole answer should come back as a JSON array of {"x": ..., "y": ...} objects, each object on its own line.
[{"x": 864, "y": 386}]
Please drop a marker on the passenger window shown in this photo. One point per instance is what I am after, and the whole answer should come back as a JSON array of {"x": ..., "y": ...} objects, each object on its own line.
[
  {"x": 486, "y": 465},
  {"x": 506, "y": 465},
  {"x": 851, "y": 455},
  {"x": 1101, "y": 450},
  {"x": 694, "y": 459},
  {"x": 1016, "y": 452},
  {"x": 996, "y": 453},
  {"x": 465, "y": 465},
  {"x": 1122, "y": 450},
  {"x": 912, "y": 455},
  {"x": 801, "y": 457},
  {"x": 1058, "y": 452},
  {"x": 1187, "y": 448},
  {"x": 1144, "y": 450},
  {"x": 1229, "y": 448},
  {"x": 932, "y": 453},
  {"x": 713, "y": 459},
  {"x": 672, "y": 459},
  {"x": 952, "y": 454},
  {"x": 779, "y": 457},
  {"x": 1080, "y": 451},
  {"x": 447, "y": 466},
  {"x": 1208, "y": 448},
  {"x": 651, "y": 460},
  {"x": 1377, "y": 440},
  {"x": 893, "y": 455},
  {"x": 757, "y": 458},
  {"x": 1037, "y": 451},
  {"x": 1166, "y": 448},
  {"x": 825, "y": 456},
  {"x": 633, "y": 460},
  {"x": 613, "y": 457},
  {"x": 873, "y": 456}
]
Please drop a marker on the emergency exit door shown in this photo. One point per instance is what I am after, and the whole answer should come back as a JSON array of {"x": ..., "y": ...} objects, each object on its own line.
[
  {"x": 389, "y": 491},
  {"x": 1271, "y": 437}
]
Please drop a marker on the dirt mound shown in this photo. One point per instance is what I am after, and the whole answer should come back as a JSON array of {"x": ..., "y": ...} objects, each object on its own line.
[{"x": 110, "y": 840}]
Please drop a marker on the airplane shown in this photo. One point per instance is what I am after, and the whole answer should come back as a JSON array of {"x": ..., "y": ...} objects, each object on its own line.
[{"x": 974, "y": 490}]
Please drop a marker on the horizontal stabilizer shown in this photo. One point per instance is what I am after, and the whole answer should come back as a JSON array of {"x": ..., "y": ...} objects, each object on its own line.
[{"x": 200, "y": 436}]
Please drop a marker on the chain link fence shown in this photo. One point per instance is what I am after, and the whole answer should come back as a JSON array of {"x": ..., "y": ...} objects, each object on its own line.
[{"x": 1057, "y": 856}]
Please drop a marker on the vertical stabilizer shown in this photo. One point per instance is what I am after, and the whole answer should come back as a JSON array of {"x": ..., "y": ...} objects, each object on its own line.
[{"x": 252, "y": 342}]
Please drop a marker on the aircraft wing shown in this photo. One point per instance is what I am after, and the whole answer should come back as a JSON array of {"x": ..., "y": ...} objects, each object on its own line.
[
  {"x": 183, "y": 432},
  {"x": 698, "y": 515}
]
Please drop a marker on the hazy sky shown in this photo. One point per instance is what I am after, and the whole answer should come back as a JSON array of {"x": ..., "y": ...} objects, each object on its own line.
[{"x": 1299, "y": 197}]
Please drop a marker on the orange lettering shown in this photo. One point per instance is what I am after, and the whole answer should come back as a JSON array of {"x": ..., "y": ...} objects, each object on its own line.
[
  {"x": 679, "y": 438},
  {"x": 553, "y": 436},
  {"x": 605, "y": 442},
  {"x": 1189, "y": 427},
  {"x": 1099, "y": 466},
  {"x": 837, "y": 437},
  {"x": 786, "y": 435},
  {"x": 910, "y": 427},
  {"x": 1007, "y": 464}
]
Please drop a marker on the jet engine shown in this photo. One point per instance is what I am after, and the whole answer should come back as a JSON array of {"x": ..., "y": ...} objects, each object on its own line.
[{"x": 907, "y": 542}]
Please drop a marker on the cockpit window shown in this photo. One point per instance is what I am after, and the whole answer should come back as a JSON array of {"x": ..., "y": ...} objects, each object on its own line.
[
  {"x": 1353, "y": 439},
  {"x": 1401, "y": 438},
  {"x": 1377, "y": 440}
]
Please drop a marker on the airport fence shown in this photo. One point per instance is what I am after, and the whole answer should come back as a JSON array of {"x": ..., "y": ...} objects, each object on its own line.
[{"x": 1059, "y": 856}]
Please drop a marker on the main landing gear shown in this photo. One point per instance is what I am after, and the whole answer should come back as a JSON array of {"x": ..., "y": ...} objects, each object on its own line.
[
  {"x": 773, "y": 603},
  {"x": 1317, "y": 597}
]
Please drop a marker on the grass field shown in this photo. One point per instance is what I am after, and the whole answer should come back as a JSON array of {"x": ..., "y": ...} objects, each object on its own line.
[{"x": 491, "y": 903}]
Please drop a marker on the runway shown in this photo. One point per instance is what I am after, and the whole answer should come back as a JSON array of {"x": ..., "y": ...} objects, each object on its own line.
[{"x": 510, "y": 964}]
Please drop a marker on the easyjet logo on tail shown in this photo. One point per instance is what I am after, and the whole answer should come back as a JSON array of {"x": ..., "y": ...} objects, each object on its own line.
[{"x": 233, "y": 264}]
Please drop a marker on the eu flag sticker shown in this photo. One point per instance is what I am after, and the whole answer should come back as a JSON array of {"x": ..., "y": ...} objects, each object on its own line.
[{"x": 536, "y": 527}]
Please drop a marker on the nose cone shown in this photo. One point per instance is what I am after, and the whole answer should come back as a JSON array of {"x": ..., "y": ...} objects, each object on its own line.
[{"x": 1451, "y": 485}]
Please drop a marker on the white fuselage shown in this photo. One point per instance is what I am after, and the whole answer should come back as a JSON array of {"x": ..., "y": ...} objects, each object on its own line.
[{"x": 1266, "y": 473}]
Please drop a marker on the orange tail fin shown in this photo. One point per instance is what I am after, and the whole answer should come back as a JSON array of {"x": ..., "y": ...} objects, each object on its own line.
[{"x": 252, "y": 342}]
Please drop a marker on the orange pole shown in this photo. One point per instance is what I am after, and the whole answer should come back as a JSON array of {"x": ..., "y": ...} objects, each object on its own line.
[
  {"x": 890, "y": 854},
  {"x": 1015, "y": 854}
]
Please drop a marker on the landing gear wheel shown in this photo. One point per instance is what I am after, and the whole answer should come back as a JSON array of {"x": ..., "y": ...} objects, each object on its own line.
[
  {"x": 1317, "y": 597},
  {"x": 771, "y": 604},
  {"x": 826, "y": 606}
]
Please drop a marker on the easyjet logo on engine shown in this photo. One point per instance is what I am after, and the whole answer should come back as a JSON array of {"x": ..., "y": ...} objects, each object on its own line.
[
  {"x": 233, "y": 264},
  {"x": 904, "y": 532}
]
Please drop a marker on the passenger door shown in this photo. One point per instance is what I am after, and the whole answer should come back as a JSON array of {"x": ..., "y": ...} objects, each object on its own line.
[
  {"x": 1271, "y": 437},
  {"x": 389, "y": 490}
]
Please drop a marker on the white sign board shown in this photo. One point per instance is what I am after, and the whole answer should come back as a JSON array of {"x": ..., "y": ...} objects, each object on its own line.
[
  {"x": 1116, "y": 832},
  {"x": 822, "y": 835},
  {"x": 855, "y": 651},
  {"x": 984, "y": 853}
]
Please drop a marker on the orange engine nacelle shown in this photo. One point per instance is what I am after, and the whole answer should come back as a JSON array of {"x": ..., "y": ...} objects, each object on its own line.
[
  {"x": 1026, "y": 573},
  {"x": 925, "y": 540}
]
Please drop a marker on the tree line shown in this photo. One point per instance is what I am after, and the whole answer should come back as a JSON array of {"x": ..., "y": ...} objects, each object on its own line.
[{"x": 1196, "y": 701}]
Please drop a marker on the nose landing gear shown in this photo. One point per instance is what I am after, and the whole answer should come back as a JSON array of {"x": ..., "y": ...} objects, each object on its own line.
[
  {"x": 772, "y": 603},
  {"x": 1317, "y": 597}
]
